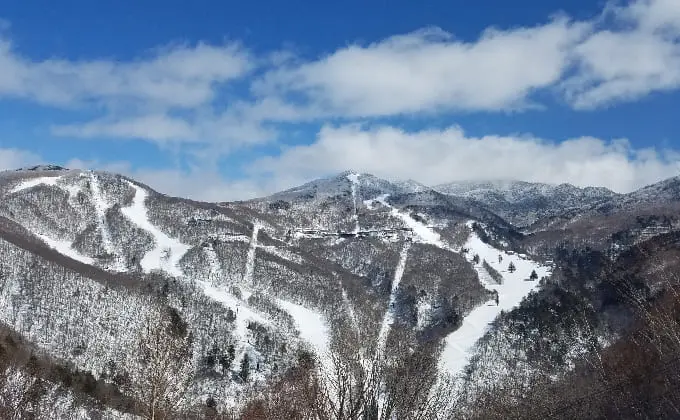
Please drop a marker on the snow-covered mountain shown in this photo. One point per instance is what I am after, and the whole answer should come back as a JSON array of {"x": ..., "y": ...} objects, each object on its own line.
[
  {"x": 88, "y": 260},
  {"x": 523, "y": 203},
  {"x": 664, "y": 192}
]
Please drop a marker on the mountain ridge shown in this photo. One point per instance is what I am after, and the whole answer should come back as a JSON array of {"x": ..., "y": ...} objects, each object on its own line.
[
  {"x": 260, "y": 282},
  {"x": 464, "y": 188}
]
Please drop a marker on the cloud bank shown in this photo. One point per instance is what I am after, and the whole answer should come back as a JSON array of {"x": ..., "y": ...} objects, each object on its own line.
[
  {"x": 220, "y": 98},
  {"x": 182, "y": 92},
  {"x": 439, "y": 156},
  {"x": 11, "y": 158}
]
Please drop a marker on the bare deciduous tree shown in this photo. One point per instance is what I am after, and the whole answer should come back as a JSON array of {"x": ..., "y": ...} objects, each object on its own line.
[
  {"x": 165, "y": 364},
  {"x": 403, "y": 382}
]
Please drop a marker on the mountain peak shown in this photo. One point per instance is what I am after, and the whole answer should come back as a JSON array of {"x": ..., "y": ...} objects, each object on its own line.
[
  {"x": 412, "y": 186},
  {"x": 48, "y": 167},
  {"x": 348, "y": 182},
  {"x": 348, "y": 172}
]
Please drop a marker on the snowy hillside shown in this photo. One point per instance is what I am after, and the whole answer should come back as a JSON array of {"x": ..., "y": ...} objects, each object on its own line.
[
  {"x": 519, "y": 276},
  {"x": 350, "y": 264},
  {"x": 523, "y": 203}
]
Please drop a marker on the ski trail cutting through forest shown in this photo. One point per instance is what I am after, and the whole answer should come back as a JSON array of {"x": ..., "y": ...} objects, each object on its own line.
[
  {"x": 100, "y": 207},
  {"x": 354, "y": 181},
  {"x": 460, "y": 344},
  {"x": 250, "y": 259},
  {"x": 213, "y": 264},
  {"x": 281, "y": 253},
  {"x": 350, "y": 309},
  {"x": 311, "y": 326},
  {"x": 167, "y": 251},
  {"x": 423, "y": 233},
  {"x": 244, "y": 316},
  {"x": 388, "y": 319},
  {"x": 66, "y": 248},
  {"x": 30, "y": 183}
]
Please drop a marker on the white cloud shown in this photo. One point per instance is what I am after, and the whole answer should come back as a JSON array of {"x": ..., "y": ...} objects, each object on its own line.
[
  {"x": 16, "y": 158},
  {"x": 434, "y": 157},
  {"x": 213, "y": 186},
  {"x": 181, "y": 76},
  {"x": 197, "y": 183},
  {"x": 431, "y": 157},
  {"x": 156, "y": 127},
  {"x": 429, "y": 71},
  {"x": 625, "y": 54},
  {"x": 219, "y": 133},
  {"x": 653, "y": 15},
  {"x": 423, "y": 72},
  {"x": 641, "y": 57},
  {"x": 183, "y": 93}
]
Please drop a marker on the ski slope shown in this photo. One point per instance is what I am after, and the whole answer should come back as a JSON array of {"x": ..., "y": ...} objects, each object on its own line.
[
  {"x": 388, "y": 319},
  {"x": 168, "y": 251},
  {"x": 282, "y": 253},
  {"x": 214, "y": 265},
  {"x": 101, "y": 206},
  {"x": 311, "y": 325},
  {"x": 460, "y": 344},
  {"x": 65, "y": 248},
  {"x": 350, "y": 308},
  {"x": 423, "y": 233},
  {"x": 243, "y": 313},
  {"x": 33, "y": 182},
  {"x": 354, "y": 182},
  {"x": 250, "y": 259}
]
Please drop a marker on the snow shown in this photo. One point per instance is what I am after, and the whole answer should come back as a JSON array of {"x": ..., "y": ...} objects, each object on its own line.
[
  {"x": 250, "y": 259},
  {"x": 243, "y": 313},
  {"x": 311, "y": 324},
  {"x": 30, "y": 183},
  {"x": 370, "y": 204},
  {"x": 460, "y": 344},
  {"x": 354, "y": 181},
  {"x": 213, "y": 263},
  {"x": 282, "y": 253},
  {"x": 65, "y": 248},
  {"x": 350, "y": 309},
  {"x": 168, "y": 251},
  {"x": 412, "y": 186},
  {"x": 423, "y": 233},
  {"x": 101, "y": 206},
  {"x": 388, "y": 319},
  {"x": 231, "y": 238},
  {"x": 73, "y": 190},
  {"x": 424, "y": 311}
]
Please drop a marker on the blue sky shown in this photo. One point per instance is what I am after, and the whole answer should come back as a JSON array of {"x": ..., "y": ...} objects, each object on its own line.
[{"x": 218, "y": 100}]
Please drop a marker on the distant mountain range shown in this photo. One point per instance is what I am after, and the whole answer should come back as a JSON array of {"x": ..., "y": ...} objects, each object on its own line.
[{"x": 88, "y": 260}]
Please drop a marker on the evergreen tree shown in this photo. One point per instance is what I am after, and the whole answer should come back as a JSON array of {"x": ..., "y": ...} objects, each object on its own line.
[
  {"x": 475, "y": 259},
  {"x": 533, "y": 275},
  {"x": 245, "y": 368},
  {"x": 511, "y": 267},
  {"x": 227, "y": 359}
]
